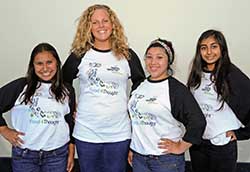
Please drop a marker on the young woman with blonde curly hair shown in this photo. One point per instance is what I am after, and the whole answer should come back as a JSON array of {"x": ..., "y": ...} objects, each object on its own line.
[{"x": 103, "y": 62}]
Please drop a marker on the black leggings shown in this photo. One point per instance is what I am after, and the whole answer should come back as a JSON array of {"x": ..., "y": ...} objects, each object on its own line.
[{"x": 207, "y": 157}]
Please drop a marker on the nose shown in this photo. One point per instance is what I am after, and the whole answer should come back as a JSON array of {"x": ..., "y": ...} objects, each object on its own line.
[
  {"x": 101, "y": 24},
  {"x": 45, "y": 67},
  {"x": 153, "y": 61},
  {"x": 209, "y": 51}
]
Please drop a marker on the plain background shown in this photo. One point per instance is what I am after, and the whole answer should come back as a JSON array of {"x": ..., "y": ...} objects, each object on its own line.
[{"x": 25, "y": 23}]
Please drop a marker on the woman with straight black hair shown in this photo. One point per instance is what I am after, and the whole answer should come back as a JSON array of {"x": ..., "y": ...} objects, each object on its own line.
[{"x": 223, "y": 93}]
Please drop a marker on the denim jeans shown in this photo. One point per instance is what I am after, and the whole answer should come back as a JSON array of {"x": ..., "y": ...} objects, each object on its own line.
[
  {"x": 207, "y": 157},
  {"x": 161, "y": 163},
  {"x": 102, "y": 157},
  {"x": 25, "y": 160}
]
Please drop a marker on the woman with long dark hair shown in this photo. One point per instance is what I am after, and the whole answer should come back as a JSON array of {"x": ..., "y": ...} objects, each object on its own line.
[
  {"x": 223, "y": 93},
  {"x": 41, "y": 108}
]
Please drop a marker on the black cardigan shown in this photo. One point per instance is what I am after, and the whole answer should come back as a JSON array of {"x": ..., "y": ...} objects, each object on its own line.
[{"x": 239, "y": 100}]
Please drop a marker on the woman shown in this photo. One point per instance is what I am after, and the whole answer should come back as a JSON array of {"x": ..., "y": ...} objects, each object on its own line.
[
  {"x": 158, "y": 108},
  {"x": 103, "y": 62},
  {"x": 41, "y": 107},
  {"x": 223, "y": 93}
]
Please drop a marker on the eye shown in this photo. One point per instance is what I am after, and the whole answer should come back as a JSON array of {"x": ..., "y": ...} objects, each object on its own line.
[
  {"x": 215, "y": 46},
  {"x": 203, "y": 48},
  {"x": 38, "y": 63},
  {"x": 94, "y": 22},
  {"x": 49, "y": 62},
  {"x": 160, "y": 57},
  {"x": 148, "y": 57}
]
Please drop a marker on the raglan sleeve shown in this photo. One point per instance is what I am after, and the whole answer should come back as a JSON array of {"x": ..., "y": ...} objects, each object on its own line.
[
  {"x": 70, "y": 68},
  {"x": 137, "y": 72},
  {"x": 8, "y": 96},
  {"x": 187, "y": 111},
  {"x": 239, "y": 101},
  {"x": 70, "y": 117}
]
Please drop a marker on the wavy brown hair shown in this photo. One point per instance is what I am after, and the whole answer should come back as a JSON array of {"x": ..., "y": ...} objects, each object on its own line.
[{"x": 84, "y": 39}]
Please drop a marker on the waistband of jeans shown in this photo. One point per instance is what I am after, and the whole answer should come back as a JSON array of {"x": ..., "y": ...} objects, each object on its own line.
[
  {"x": 26, "y": 150},
  {"x": 155, "y": 156}
]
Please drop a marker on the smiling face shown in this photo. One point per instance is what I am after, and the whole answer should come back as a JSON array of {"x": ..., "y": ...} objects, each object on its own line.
[
  {"x": 45, "y": 65},
  {"x": 156, "y": 61},
  {"x": 210, "y": 52},
  {"x": 101, "y": 28}
]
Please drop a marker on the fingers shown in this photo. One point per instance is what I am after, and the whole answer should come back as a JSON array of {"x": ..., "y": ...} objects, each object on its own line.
[
  {"x": 20, "y": 133},
  {"x": 130, "y": 157},
  {"x": 166, "y": 145},
  {"x": 70, "y": 166},
  {"x": 16, "y": 141},
  {"x": 169, "y": 146},
  {"x": 232, "y": 135},
  {"x": 13, "y": 137}
]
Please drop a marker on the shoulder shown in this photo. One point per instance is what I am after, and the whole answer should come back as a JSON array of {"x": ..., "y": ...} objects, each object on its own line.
[
  {"x": 20, "y": 82},
  {"x": 234, "y": 71},
  {"x": 239, "y": 82},
  {"x": 174, "y": 83},
  {"x": 236, "y": 77},
  {"x": 178, "y": 89},
  {"x": 74, "y": 58},
  {"x": 133, "y": 59},
  {"x": 132, "y": 55}
]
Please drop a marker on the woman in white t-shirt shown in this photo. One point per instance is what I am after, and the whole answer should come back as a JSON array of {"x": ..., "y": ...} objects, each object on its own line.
[
  {"x": 159, "y": 108},
  {"x": 41, "y": 108},
  {"x": 103, "y": 62},
  {"x": 223, "y": 94}
]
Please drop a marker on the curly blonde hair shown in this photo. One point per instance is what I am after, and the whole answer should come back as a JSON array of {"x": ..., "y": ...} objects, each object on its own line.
[{"x": 84, "y": 39}]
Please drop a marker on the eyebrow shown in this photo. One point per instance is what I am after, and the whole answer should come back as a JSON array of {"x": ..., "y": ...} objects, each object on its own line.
[{"x": 210, "y": 44}]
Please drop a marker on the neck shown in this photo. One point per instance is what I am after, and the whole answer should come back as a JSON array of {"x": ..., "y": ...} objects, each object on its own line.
[
  {"x": 102, "y": 45},
  {"x": 210, "y": 67}
]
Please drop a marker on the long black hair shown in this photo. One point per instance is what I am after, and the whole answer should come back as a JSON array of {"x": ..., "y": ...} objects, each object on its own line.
[
  {"x": 220, "y": 71},
  {"x": 57, "y": 86}
]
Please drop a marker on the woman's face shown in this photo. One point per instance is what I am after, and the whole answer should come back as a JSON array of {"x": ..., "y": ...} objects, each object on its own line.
[
  {"x": 210, "y": 52},
  {"x": 156, "y": 61},
  {"x": 101, "y": 28},
  {"x": 45, "y": 65}
]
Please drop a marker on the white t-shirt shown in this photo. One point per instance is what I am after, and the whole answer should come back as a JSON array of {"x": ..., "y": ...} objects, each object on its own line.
[
  {"x": 42, "y": 121},
  {"x": 218, "y": 121},
  {"x": 150, "y": 112},
  {"x": 102, "y": 109}
]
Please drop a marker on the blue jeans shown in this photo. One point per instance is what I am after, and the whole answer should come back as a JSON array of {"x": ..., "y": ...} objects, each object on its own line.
[
  {"x": 102, "y": 157},
  {"x": 161, "y": 163},
  {"x": 207, "y": 157},
  {"x": 25, "y": 160}
]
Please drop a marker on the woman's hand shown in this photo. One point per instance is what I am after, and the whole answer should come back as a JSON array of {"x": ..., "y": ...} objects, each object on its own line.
[
  {"x": 173, "y": 147},
  {"x": 71, "y": 157},
  {"x": 130, "y": 157},
  {"x": 232, "y": 135},
  {"x": 12, "y": 136}
]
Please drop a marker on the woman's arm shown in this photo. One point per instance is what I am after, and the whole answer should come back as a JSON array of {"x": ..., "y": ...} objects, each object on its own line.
[
  {"x": 170, "y": 146},
  {"x": 71, "y": 157}
]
